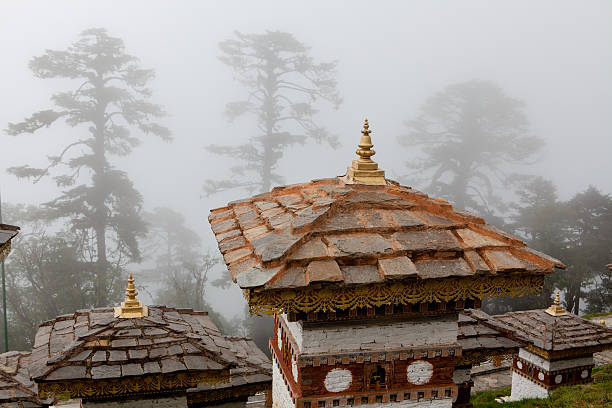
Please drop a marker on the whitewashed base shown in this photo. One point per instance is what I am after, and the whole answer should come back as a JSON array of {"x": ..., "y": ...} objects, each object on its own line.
[
  {"x": 523, "y": 388},
  {"x": 280, "y": 393},
  {"x": 437, "y": 403}
]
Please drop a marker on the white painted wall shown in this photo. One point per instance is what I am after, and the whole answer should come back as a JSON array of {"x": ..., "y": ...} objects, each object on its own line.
[
  {"x": 172, "y": 402},
  {"x": 280, "y": 393},
  {"x": 523, "y": 388},
  {"x": 554, "y": 365},
  {"x": 374, "y": 335}
]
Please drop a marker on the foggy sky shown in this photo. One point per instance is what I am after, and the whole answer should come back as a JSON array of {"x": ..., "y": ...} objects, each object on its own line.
[{"x": 555, "y": 55}]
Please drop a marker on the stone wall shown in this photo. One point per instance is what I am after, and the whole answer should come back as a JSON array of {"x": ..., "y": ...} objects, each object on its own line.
[
  {"x": 524, "y": 388},
  {"x": 373, "y": 335},
  {"x": 280, "y": 393},
  {"x": 169, "y": 402}
]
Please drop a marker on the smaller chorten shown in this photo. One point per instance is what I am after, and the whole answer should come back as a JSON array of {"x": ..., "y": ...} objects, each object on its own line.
[
  {"x": 364, "y": 170},
  {"x": 131, "y": 308},
  {"x": 556, "y": 309}
]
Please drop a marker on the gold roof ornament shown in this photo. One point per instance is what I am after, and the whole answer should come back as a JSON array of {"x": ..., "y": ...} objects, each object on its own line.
[
  {"x": 131, "y": 308},
  {"x": 364, "y": 170},
  {"x": 556, "y": 309}
]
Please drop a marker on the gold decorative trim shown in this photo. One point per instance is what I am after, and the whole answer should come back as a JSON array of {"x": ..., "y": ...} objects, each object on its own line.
[
  {"x": 194, "y": 398},
  {"x": 148, "y": 384},
  {"x": 482, "y": 356},
  {"x": 5, "y": 250},
  {"x": 405, "y": 292}
]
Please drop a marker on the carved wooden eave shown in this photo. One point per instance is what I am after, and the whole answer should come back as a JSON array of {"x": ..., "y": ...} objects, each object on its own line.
[
  {"x": 130, "y": 386},
  {"x": 313, "y": 299}
]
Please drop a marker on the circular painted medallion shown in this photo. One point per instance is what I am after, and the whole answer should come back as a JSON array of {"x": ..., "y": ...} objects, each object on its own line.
[
  {"x": 558, "y": 379},
  {"x": 419, "y": 372},
  {"x": 338, "y": 380}
]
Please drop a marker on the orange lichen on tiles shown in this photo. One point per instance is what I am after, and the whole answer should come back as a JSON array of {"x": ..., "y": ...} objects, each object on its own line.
[{"x": 333, "y": 233}]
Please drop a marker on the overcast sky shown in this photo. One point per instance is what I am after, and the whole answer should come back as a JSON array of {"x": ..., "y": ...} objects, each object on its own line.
[{"x": 555, "y": 55}]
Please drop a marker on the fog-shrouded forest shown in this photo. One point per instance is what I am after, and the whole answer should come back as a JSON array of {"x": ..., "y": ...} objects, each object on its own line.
[{"x": 124, "y": 123}]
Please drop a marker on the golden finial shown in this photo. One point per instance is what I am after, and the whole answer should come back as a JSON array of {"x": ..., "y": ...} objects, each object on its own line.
[
  {"x": 556, "y": 309},
  {"x": 602, "y": 322},
  {"x": 365, "y": 170},
  {"x": 131, "y": 308}
]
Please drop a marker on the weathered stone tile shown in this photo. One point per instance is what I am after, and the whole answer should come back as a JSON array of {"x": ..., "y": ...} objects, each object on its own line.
[
  {"x": 477, "y": 263},
  {"x": 151, "y": 367},
  {"x": 504, "y": 261},
  {"x": 265, "y": 205},
  {"x": 294, "y": 277},
  {"x": 174, "y": 350},
  {"x": 123, "y": 343},
  {"x": 356, "y": 245},
  {"x": 256, "y": 277},
  {"x": 341, "y": 222},
  {"x": 229, "y": 234},
  {"x": 201, "y": 363},
  {"x": 274, "y": 246},
  {"x": 242, "y": 266},
  {"x": 154, "y": 331},
  {"x": 68, "y": 373},
  {"x": 137, "y": 354},
  {"x": 117, "y": 355},
  {"x": 99, "y": 356},
  {"x": 170, "y": 365},
  {"x": 256, "y": 232},
  {"x": 81, "y": 356},
  {"x": 313, "y": 249},
  {"x": 224, "y": 226},
  {"x": 272, "y": 212},
  {"x": 308, "y": 216},
  {"x": 131, "y": 369},
  {"x": 218, "y": 215},
  {"x": 236, "y": 255},
  {"x": 427, "y": 240},
  {"x": 397, "y": 268},
  {"x": 323, "y": 271},
  {"x": 158, "y": 352},
  {"x": 231, "y": 244},
  {"x": 473, "y": 239},
  {"x": 441, "y": 268},
  {"x": 360, "y": 274},
  {"x": 105, "y": 371},
  {"x": 436, "y": 220},
  {"x": 289, "y": 199}
]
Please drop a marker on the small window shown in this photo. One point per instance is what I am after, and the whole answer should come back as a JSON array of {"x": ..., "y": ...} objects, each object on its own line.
[{"x": 377, "y": 376}]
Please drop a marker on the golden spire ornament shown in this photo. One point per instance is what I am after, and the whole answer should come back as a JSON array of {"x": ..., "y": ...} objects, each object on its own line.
[
  {"x": 556, "y": 309},
  {"x": 364, "y": 170},
  {"x": 131, "y": 308}
]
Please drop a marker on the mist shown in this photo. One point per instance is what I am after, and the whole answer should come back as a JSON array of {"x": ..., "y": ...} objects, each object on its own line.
[{"x": 555, "y": 56}]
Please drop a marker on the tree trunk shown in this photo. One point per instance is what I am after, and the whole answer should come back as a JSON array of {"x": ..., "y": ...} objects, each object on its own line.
[{"x": 100, "y": 194}]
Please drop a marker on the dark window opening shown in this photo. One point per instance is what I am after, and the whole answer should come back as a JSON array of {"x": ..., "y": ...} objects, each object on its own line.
[{"x": 377, "y": 376}]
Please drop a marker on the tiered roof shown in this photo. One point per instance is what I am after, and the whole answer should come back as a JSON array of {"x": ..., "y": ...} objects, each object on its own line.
[
  {"x": 7, "y": 232},
  {"x": 16, "y": 388},
  {"x": 250, "y": 377},
  {"x": 340, "y": 233},
  {"x": 480, "y": 342},
  {"x": 549, "y": 335}
]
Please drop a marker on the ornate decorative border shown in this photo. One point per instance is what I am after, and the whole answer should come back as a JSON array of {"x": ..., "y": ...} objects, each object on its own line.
[
  {"x": 532, "y": 372},
  {"x": 5, "y": 250},
  {"x": 148, "y": 384},
  {"x": 227, "y": 393},
  {"x": 480, "y": 356},
  {"x": 413, "y": 291}
]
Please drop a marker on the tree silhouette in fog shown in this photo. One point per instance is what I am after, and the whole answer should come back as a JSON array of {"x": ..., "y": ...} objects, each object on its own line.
[
  {"x": 467, "y": 134},
  {"x": 110, "y": 100},
  {"x": 282, "y": 83}
]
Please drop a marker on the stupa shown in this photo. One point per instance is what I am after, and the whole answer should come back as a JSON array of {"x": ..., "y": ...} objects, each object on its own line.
[
  {"x": 139, "y": 356},
  {"x": 366, "y": 278}
]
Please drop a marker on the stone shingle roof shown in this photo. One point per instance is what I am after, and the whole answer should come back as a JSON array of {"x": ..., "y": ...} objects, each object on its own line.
[
  {"x": 473, "y": 336},
  {"x": 93, "y": 344},
  {"x": 251, "y": 376},
  {"x": 327, "y": 231},
  {"x": 7, "y": 232},
  {"x": 548, "y": 333},
  {"x": 16, "y": 388}
]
